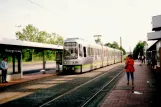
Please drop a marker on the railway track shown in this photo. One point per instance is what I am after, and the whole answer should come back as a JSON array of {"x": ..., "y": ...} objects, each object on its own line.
[
  {"x": 81, "y": 90},
  {"x": 90, "y": 101},
  {"x": 85, "y": 94}
]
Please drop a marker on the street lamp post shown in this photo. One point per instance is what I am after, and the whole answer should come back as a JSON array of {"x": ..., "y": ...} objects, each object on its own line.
[{"x": 121, "y": 48}]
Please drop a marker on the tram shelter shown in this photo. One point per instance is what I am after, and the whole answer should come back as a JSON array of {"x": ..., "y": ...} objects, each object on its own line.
[{"x": 12, "y": 47}]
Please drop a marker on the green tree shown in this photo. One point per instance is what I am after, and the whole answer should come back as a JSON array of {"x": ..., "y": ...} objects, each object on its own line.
[
  {"x": 32, "y": 34},
  {"x": 28, "y": 34},
  {"x": 55, "y": 39},
  {"x": 42, "y": 37},
  {"x": 116, "y": 46},
  {"x": 139, "y": 49},
  {"x": 113, "y": 45},
  {"x": 98, "y": 39},
  {"x": 108, "y": 44}
]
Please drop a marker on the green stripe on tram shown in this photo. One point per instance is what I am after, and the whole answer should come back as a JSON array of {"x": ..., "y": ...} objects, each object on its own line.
[{"x": 88, "y": 65}]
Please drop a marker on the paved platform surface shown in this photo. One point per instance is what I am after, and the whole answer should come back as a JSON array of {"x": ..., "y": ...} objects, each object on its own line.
[
  {"x": 142, "y": 95},
  {"x": 29, "y": 77}
]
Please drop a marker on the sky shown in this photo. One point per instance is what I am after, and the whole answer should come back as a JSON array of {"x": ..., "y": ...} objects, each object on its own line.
[{"x": 128, "y": 19}]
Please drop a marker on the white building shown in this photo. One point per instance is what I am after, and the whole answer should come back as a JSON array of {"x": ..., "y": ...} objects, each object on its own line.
[{"x": 156, "y": 35}]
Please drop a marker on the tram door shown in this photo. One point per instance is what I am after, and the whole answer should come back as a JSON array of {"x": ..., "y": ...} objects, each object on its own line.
[{"x": 59, "y": 58}]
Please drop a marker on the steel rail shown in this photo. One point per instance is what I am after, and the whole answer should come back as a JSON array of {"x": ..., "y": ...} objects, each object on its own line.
[
  {"x": 101, "y": 89},
  {"x": 78, "y": 87}
]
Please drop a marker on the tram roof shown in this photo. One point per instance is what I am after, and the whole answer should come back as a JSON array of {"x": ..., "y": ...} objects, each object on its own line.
[{"x": 14, "y": 42}]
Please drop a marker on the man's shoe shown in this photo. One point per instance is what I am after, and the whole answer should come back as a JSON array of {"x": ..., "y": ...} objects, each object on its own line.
[
  {"x": 6, "y": 81},
  {"x": 132, "y": 83}
]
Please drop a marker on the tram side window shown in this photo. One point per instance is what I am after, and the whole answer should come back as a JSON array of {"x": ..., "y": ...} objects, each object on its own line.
[
  {"x": 92, "y": 52},
  {"x": 80, "y": 50},
  {"x": 84, "y": 50},
  {"x": 95, "y": 53},
  {"x": 88, "y": 51},
  {"x": 100, "y": 51},
  {"x": 106, "y": 53}
]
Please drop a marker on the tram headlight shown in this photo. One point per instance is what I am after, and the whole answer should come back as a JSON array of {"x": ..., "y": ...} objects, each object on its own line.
[
  {"x": 65, "y": 62},
  {"x": 75, "y": 62}
]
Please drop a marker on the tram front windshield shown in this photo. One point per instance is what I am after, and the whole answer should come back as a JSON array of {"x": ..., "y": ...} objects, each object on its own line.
[{"x": 70, "y": 50}]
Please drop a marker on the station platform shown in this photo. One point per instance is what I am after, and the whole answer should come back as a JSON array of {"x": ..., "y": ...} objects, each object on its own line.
[
  {"x": 142, "y": 95},
  {"x": 29, "y": 77}
]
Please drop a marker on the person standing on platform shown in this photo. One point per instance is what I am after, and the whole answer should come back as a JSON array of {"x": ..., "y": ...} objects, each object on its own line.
[
  {"x": 4, "y": 67},
  {"x": 130, "y": 69},
  {"x": 144, "y": 59}
]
